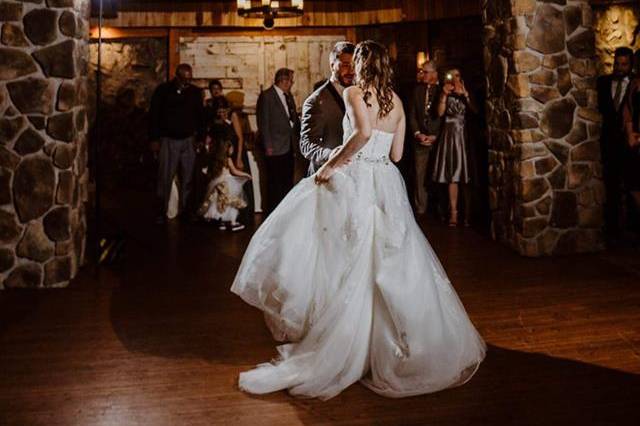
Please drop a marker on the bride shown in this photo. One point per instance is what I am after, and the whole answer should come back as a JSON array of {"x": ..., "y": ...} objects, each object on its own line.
[{"x": 345, "y": 275}]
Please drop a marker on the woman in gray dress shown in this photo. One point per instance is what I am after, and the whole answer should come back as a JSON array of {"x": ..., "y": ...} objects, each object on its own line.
[{"x": 452, "y": 159}]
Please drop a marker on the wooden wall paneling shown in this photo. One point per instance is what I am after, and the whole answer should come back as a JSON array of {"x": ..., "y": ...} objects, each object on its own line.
[
  {"x": 136, "y": 13},
  {"x": 249, "y": 62},
  {"x": 174, "y": 53},
  {"x": 315, "y": 61},
  {"x": 109, "y": 33},
  {"x": 351, "y": 34}
]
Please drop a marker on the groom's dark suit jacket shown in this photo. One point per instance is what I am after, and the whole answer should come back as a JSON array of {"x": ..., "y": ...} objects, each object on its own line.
[{"x": 321, "y": 126}]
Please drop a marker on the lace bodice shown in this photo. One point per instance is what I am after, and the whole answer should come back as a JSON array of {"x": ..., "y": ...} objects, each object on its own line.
[{"x": 376, "y": 150}]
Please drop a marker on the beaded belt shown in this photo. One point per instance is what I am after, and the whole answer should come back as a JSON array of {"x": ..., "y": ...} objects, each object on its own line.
[{"x": 384, "y": 159}]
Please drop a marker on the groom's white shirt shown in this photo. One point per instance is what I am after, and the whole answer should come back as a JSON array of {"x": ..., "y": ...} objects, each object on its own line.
[{"x": 339, "y": 87}]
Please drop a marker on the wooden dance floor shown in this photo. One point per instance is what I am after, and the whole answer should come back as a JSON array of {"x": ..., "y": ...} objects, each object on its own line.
[{"x": 160, "y": 341}]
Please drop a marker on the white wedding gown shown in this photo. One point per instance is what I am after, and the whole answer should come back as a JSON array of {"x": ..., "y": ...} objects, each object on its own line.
[{"x": 344, "y": 272}]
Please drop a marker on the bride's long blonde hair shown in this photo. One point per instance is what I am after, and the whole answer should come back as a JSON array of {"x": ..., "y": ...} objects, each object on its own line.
[{"x": 373, "y": 71}]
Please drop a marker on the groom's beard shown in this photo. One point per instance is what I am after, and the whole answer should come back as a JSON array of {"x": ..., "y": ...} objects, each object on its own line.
[{"x": 344, "y": 83}]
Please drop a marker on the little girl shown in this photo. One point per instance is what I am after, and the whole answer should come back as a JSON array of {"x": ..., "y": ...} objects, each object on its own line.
[{"x": 224, "y": 197}]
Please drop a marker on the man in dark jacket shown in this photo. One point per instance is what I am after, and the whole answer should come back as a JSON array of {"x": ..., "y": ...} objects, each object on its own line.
[
  {"x": 176, "y": 124},
  {"x": 612, "y": 90},
  {"x": 424, "y": 124}
]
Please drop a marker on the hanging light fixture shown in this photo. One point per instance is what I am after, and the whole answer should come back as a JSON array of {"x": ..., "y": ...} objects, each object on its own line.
[{"x": 270, "y": 10}]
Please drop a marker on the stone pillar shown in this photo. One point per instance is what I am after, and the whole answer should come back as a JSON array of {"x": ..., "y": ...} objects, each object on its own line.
[
  {"x": 616, "y": 25},
  {"x": 43, "y": 149},
  {"x": 546, "y": 191}
]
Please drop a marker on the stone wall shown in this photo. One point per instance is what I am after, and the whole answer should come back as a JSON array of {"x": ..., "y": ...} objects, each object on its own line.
[
  {"x": 546, "y": 193},
  {"x": 43, "y": 150},
  {"x": 131, "y": 70},
  {"x": 616, "y": 26},
  {"x": 139, "y": 64}
]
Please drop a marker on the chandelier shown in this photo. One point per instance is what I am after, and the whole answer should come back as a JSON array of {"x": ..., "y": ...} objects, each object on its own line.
[{"x": 269, "y": 10}]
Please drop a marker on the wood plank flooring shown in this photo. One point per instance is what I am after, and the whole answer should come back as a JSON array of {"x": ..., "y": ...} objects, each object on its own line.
[{"x": 160, "y": 341}]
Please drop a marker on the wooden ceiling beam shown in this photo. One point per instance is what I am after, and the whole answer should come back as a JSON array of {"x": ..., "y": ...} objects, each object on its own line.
[{"x": 137, "y": 13}]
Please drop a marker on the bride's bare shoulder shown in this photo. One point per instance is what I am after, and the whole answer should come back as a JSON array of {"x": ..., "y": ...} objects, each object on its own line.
[
  {"x": 352, "y": 93},
  {"x": 397, "y": 102}
]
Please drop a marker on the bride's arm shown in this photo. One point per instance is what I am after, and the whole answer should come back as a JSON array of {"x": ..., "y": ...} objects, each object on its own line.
[
  {"x": 397, "y": 146},
  {"x": 356, "y": 109}
]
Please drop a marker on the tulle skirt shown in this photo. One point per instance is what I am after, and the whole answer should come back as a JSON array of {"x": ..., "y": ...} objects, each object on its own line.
[{"x": 343, "y": 272}]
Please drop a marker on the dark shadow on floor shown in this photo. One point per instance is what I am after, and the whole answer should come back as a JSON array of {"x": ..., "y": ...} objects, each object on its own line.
[{"x": 510, "y": 388}]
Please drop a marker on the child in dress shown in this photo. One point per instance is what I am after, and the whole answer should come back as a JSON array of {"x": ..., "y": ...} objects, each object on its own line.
[{"x": 225, "y": 196}]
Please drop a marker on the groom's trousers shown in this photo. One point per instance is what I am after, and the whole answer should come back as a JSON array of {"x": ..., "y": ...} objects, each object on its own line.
[{"x": 175, "y": 154}]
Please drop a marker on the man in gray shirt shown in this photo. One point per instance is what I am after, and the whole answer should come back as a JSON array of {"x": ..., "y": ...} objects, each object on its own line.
[{"x": 323, "y": 110}]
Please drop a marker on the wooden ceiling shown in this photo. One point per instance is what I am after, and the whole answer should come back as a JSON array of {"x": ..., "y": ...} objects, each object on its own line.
[{"x": 164, "y": 13}]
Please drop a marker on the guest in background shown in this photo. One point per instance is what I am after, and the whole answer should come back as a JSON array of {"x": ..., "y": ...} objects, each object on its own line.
[
  {"x": 278, "y": 130},
  {"x": 226, "y": 126},
  {"x": 124, "y": 160},
  {"x": 176, "y": 124},
  {"x": 218, "y": 111},
  {"x": 420, "y": 74},
  {"x": 612, "y": 90},
  {"x": 216, "y": 89},
  {"x": 323, "y": 110},
  {"x": 225, "y": 197},
  {"x": 424, "y": 124},
  {"x": 222, "y": 123},
  {"x": 631, "y": 174},
  {"x": 452, "y": 158}
]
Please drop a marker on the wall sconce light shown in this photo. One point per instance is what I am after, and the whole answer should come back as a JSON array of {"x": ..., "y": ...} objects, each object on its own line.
[{"x": 421, "y": 58}]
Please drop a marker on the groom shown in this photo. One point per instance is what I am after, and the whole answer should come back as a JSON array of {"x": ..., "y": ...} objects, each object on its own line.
[{"x": 323, "y": 110}]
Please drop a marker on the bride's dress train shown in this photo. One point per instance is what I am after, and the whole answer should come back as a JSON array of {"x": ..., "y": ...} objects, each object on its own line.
[{"x": 344, "y": 272}]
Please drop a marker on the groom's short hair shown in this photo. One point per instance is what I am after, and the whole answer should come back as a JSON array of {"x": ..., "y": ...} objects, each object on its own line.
[{"x": 340, "y": 48}]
